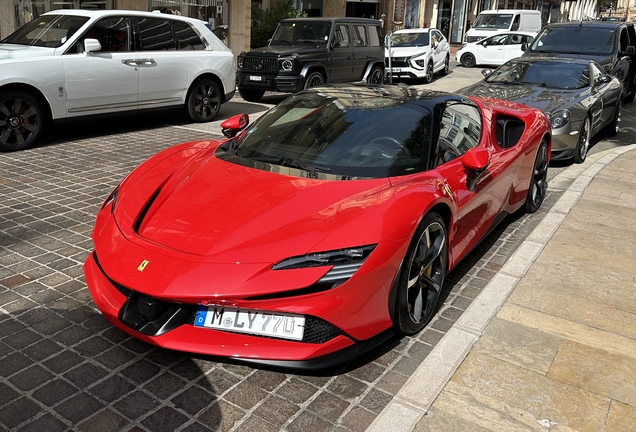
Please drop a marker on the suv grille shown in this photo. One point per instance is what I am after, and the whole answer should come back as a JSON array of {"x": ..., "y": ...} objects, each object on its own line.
[
  {"x": 260, "y": 64},
  {"x": 399, "y": 62}
]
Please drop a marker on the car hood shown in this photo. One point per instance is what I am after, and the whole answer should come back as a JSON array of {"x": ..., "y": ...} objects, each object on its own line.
[
  {"x": 603, "y": 59},
  {"x": 284, "y": 51},
  {"x": 226, "y": 212},
  {"x": 12, "y": 51},
  {"x": 546, "y": 99},
  {"x": 406, "y": 51}
]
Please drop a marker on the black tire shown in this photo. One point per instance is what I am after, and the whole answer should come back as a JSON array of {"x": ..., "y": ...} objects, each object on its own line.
[
  {"x": 468, "y": 60},
  {"x": 539, "y": 180},
  {"x": 428, "y": 78},
  {"x": 314, "y": 79},
  {"x": 376, "y": 76},
  {"x": 422, "y": 275},
  {"x": 583, "y": 142},
  {"x": 615, "y": 126},
  {"x": 251, "y": 95},
  {"x": 446, "y": 69},
  {"x": 204, "y": 101},
  {"x": 629, "y": 97},
  {"x": 21, "y": 121}
]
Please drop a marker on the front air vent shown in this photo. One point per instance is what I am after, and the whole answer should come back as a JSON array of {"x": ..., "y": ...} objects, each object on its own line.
[{"x": 144, "y": 211}]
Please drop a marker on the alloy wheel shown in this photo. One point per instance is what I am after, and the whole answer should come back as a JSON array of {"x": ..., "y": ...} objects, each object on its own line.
[
  {"x": 617, "y": 116},
  {"x": 539, "y": 183},
  {"x": 583, "y": 143},
  {"x": 20, "y": 121},
  {"x": 427, "y": 268},
  {"x": 206, "y": 101}
]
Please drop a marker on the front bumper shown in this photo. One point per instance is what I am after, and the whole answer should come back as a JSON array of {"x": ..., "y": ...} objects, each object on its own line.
[
  {"x": 406, "y": 72},
  {"x": 270, "y": 82},
  {"x": 564, "y": 140}
]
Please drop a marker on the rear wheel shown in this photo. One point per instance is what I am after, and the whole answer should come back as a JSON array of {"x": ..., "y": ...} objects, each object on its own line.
[
  {"x": 539, "y": 180},
  {"x": 376, "y": 76},
  {"x": 468, "y": 60},
  {"x": 428, "y": 78},
  {"x": 251, "y": 95},
  {"x": 615, "y": 125},
  {"x": 583, "y": 143},
  {"x": 446, "y": 69},
  {"x": 204, "y": 101},
  {"x": 422, "y": 275},
  {"x": 21, "y": 121}
]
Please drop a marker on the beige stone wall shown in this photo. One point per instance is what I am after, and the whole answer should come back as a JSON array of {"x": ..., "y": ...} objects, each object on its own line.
[
  {"x": 239, "y": 26},
  {"x": 7, "y": 18},
  {"x": 130, "y": 4},
  {"x": 333, "y": 8}
]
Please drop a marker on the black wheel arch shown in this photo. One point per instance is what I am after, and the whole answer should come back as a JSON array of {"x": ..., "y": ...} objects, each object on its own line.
[
  {"x": 34, "y": 92},
  {"x": 369, "y": 67},
  {"x": 214, "y": 78},
  {"x": 445, "y": 213},
  {"x": 309, "y": 68}
]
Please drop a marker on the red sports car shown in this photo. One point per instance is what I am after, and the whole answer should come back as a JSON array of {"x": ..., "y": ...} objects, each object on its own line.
[{"x": 319, "y": 231}]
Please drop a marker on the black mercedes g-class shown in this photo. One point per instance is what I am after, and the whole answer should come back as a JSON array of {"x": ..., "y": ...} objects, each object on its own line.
[
  {"x": 611, "y": 44},
  {"x": 306, "y": 52}
]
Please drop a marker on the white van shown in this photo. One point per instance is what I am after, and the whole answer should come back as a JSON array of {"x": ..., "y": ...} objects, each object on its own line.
[{"x": 491, "y": 22}]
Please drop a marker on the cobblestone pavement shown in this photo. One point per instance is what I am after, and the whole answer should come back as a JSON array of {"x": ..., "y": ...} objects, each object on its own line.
[{"x": 62, "y": 366}]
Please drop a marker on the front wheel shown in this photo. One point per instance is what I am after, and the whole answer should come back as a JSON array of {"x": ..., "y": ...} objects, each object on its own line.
[
  {"x": 422, "y": 275},
  {"x": 615, "y": 125},
  {"x": 21, "y": 121},
  {"x": 376, "y": 76},
  {"x": 251, "y": 95},
  {"x": 583, "y": 143},
  {"x": 428, "y": 78},
  {"x": 539, "y": 180},
  {"x": 314, "y": 79},
  {"x": 204, "y": 101}
]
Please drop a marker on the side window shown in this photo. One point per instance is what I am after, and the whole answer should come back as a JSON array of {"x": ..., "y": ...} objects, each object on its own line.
[
  {"x": 460, "y": 130},
  {"x": 360, "y": 33},
  {"x": 375, "y": 36},
  {"x": 498, "y": 40},
  {"x": 624, "y": 40},
  {"x": 440, "y": 37},
  {"x": 342, "y": 34},
  {"x": 112, "y": 33},
  {"x": 433, "y": 38},
  {"x": 516, "y": 22},
  {"x": 187, "y": 39},
  {"x": 155, "y": 34},
  {"x": 527, "y": 39},
  {"x": 516, "y": 39}
]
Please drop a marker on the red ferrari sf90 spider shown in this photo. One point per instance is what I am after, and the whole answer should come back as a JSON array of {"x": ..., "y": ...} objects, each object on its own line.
[{"x": 317, "y": 232}]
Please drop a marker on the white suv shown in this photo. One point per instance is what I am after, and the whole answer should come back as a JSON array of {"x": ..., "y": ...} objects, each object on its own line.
[
  {"x": 75, "y": 63},
  {"x": 417, "y": 54}
]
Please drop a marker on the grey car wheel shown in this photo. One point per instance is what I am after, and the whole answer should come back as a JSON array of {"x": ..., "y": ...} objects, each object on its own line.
[
  {"x": 615, "y": 126},
  {"x": 468, "y": 60},
  {"x": 583, "y": 143},
  {"x": 376, "y": 76},
  {"x": 204, "y": 101},
  {"x": 539, "y": 181},
  {"x": 314, "y": 79},
  {"x": 21, "y": 121},
  {"x": 428, "y": 78},
  {"x": 446, "y": 69}
]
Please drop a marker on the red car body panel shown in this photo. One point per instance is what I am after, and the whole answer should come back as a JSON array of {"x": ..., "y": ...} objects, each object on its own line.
[{"x": 213, "y": 230}]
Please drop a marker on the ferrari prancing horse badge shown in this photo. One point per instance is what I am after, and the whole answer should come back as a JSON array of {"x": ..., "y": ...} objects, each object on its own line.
[{"x": 143, "y": 265}]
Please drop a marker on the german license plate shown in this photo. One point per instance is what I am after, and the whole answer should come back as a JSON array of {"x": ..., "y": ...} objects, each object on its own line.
[
  {"x": 279, "y": 325},
  {"x": 397, "y": 70},
  {"x": 256, "y": 78}
]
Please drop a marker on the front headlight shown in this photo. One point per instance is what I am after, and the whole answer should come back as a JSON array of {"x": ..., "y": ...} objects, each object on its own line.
[
  {"x": 559, "y": 119},
  {"x": 286, "y": 65},
  {"x": 345, "y": 263},
  {"x": 239, "y": 62}
]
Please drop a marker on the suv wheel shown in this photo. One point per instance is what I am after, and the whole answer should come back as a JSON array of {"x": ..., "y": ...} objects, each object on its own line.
[
  {"x": 428, "y": 78},
  {"x": 376, "y": 76},
  {"x": 314, "y": 79},
  {"x": 204, "y": 101},
  {"x": 251, "y": 95},
  {"x": 446, "y": 66}
]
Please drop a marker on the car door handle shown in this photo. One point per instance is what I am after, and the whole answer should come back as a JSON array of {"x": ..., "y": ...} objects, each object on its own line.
[
  {"x": 349, "y": 58},
  {"x": 130, "y": 62},
  {"x": 146, "y": 62}
]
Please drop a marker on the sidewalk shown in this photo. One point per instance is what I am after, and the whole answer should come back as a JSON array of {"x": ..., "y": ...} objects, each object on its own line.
[{"x": 551, "y": 342}]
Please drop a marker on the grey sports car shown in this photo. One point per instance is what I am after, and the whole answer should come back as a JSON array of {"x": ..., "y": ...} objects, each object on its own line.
[{"x": 576, "y": 95}]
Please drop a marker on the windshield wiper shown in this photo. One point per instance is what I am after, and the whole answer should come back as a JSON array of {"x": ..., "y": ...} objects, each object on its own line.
[
  {"x": 292, "y": 163},
  {"x": 283, "y": 40},
  {"x": 311, "y": 42}
]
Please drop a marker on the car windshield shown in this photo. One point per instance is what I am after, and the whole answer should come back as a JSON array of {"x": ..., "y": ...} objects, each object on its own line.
[
  {"x": 361, "y": 135},
  {"x": 299, "y": 33},
  {"x": 409, "y": 39},
  {"x": 575, "y": 40},
  {"x": 493, "y": 21},
  {"x": 47, "y": 31},
  {"x": 560, "y": 75}
]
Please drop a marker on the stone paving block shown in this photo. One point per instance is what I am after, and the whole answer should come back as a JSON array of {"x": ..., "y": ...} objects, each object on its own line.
[{"x": 620, "y": 418}]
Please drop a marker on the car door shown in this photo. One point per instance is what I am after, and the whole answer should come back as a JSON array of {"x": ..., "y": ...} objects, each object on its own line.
[
  {"x": 440, "y": 51},
  {"x": 478, "y": 206},
  {"x": 512, "y": 47},
  {"x": 163, "y": 70},
  {"x": 493, "y": 50},
  {"x": 360, "y": 50},
  {"x": 107, "y": 80},
  {"x": 341, "y": 54},
  {"x": 606, "y": 96}
]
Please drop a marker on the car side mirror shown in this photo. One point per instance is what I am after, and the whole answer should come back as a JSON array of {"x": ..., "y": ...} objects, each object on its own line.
[
  {"x": 486, "y": 72},
  {"x": 232, "y": 126},
  {"x": 435, "y": 44},
  {"x": 524, "y": 46},
  {"x": 92, "y": 45},
  {"x": 484, "y": 43},
  {"x": 629, "y": 51},
  {"x": 336, "y": 43},
  {"x": 475, "y": 162},
  {"x": 604, "y": 79}
]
